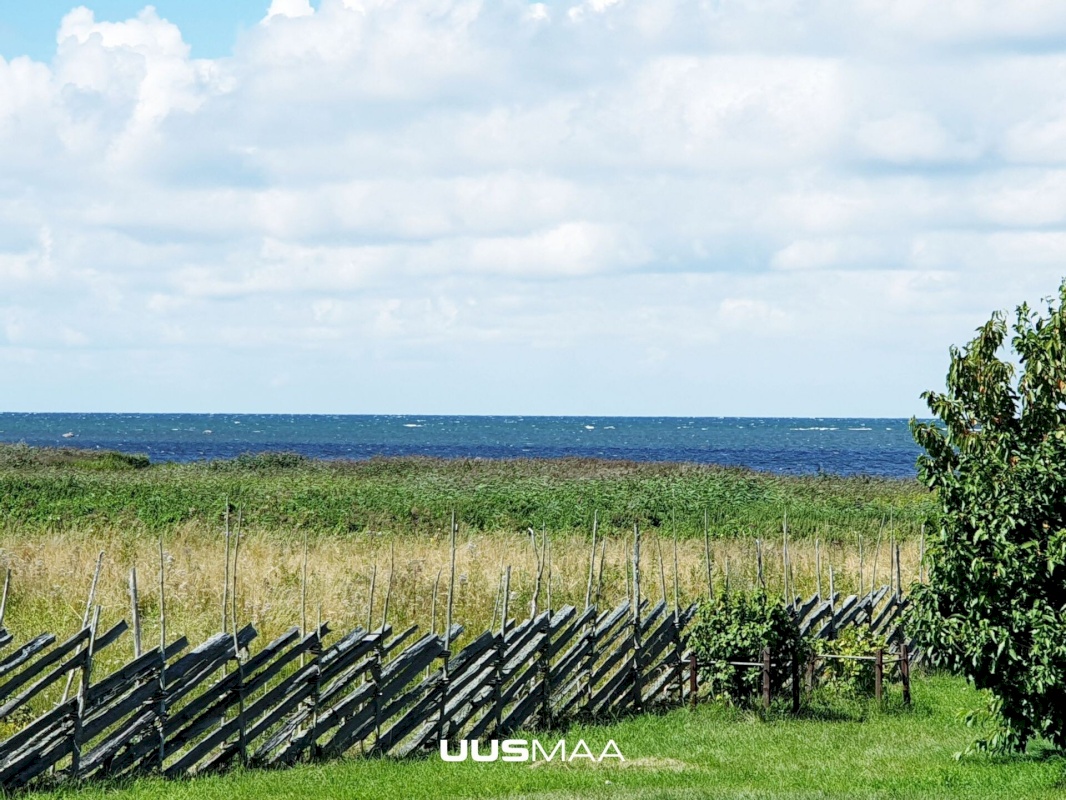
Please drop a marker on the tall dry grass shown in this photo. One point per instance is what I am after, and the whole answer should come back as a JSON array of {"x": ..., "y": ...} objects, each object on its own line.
[{"x": 51, "y": 574}]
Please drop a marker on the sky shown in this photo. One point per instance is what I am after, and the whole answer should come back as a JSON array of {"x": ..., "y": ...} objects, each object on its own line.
[{"x": 653, "y": 207}]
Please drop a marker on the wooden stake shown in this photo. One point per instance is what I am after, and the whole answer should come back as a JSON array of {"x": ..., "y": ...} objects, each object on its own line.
[
  {"x": 83, "y": 689},
  {"x": 818, "y": 566},
  {"x": 161, "y": 710},
  {"x": 592, "y": 559},
  {"x": 241, "y": 744},
  {"x": 85, "y": 617},
  {"x": 506, "y": 599},
  {"x": 442, "y": 728},
  {"x": 135, "y": 613},
  {"x": 225, "y": 575},
  {"x": 433, "y": 604},
  {"x": 496, "y": 603},
  {"x": 547, "y": 548},
  {"x": 921, "y": 557},
  {"x": 388, "y": 590},
  {"x": 758, "y": 560},
  {"x": 766, "y": 677},
  {"x": 832, "y": 605},
  {"x": 789, "y": 601},
  {"x": 370, "y": 608},
  {"x": 707, "y": 556},
  {"x": 899, "y": 576},
  {"x": 236, "y": 551},
  {"x": 451, "y": 588},
  {"x": 599, "y": 578},
  {"x": 303, "y": 597},
  {"x": 877, "y": 557},
  {"x": 862, "y": 583},
  {"x": 538, "y": 571},
  {"x": 3, "y": 599},
  {"x": 662, "y": 567},
  {"x": 677, "y": 591},
  {"x": 636, "y": 618}
]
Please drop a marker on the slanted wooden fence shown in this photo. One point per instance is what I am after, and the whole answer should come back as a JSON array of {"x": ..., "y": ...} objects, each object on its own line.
[{"x": 181, "y": 711}]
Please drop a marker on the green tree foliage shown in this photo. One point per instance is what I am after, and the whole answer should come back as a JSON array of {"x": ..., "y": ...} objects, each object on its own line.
[
  {"x": 995, "y": 606},
  {"x": 737, "y": 627}
]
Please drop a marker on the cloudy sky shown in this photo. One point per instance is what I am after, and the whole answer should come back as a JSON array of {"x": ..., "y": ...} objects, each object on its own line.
[{"x": 691, "y": 207}]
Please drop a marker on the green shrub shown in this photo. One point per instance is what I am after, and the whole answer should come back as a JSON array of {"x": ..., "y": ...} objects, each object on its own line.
[
  {"x": 737, "y": 627},
  {"x": 849, "y": 676},
  {"x": 110, "y": 460}
]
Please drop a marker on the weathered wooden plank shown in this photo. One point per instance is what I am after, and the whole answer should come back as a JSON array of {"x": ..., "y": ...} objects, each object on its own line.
[
  {"x": 36, "y": 730},
  {"x": 565, "y": 634},
  {"x": 43, "y": 683},
  {"x": 806, "y": 607},
  {"x": 49, "y": 750},
  {"x": 424, "y": 701},
  {"x": 214, "y": 702},
  {"x": 612, "y": 690},
  {"x": 118, "y": 680},
  {"x": 28, "y": 674},
  {"x": 99, "y": 759},
  {"x": 397, "y": 674},
  {"x": 25, "y": 653}
]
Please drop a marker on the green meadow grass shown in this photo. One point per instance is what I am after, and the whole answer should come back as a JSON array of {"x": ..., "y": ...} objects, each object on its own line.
[
  {"x": 61, "y": 489},
  {"x": 850, "y": 751}
]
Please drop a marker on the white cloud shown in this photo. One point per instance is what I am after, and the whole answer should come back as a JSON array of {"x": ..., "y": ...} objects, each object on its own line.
[{"x": 530, "y": 207}]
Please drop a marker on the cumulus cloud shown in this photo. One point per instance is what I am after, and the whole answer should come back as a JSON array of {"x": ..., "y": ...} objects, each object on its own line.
[{"x": 602, "y": 206}]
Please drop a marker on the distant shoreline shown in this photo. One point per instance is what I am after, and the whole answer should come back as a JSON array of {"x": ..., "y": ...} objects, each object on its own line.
[{"x": 796, "y": 446}]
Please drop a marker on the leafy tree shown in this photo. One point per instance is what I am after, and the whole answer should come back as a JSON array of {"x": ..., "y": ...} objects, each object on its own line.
[{"x": 995, "y": 605}]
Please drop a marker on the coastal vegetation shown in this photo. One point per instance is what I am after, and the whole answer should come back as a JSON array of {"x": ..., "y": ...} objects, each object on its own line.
[{"x": 50, "y": 490}]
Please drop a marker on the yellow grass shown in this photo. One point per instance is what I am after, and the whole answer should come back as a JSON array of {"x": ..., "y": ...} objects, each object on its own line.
[{"x": 51, "y": 575}]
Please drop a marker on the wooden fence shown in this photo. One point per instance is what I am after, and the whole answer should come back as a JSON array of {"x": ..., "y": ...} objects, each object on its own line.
[{"x": 181, "y": 711}]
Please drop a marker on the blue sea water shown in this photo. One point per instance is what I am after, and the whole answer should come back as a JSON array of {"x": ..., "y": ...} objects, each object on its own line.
[{"x": 876, "y": 447}]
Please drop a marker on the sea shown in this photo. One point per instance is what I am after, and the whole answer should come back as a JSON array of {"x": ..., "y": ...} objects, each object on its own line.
[{"x": 841, "y": 446}]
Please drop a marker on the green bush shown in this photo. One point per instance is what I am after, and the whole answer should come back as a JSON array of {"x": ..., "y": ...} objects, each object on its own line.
[
  {"x": 110, "y": 461},
  {"x": 849, "y": 676},
  {"x": 737, "y": 627}
]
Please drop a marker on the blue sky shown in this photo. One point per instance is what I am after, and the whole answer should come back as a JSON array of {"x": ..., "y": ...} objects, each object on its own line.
[
  {"x": 770, "y": 207},
  {"x": 209, "y": 27}
]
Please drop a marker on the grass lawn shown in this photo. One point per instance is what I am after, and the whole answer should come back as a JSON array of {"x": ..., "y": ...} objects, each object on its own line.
[{"x": 713, "y": 752}]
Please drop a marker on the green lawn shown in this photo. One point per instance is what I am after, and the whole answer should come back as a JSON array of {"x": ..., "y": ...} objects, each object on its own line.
[{"x": 713, "y": 752}]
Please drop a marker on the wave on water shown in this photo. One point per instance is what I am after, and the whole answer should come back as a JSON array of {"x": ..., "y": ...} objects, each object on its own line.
[{"x": 788, "y": 446}]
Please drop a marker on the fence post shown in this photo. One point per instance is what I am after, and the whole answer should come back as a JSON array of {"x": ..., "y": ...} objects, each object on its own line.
[
  {"x": 544, "y": 658},
  {"x": 316, "y": 685},
  {"x": 497, "y": 679},
  {"x": 879, "y": 672},
  {"x": 501, "y": 655},
  {"x": 590, "y": 664},
  {"x": 83, "y": 689},
  {"x": 905, "y": 671},
  {"x": 636, "y": 619},
  {"x": 795, "y": 678},
  {"x": 766, "y": 677},
  {"x": 693, "y": 685},
  {"x": 375, "y": 679}
]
